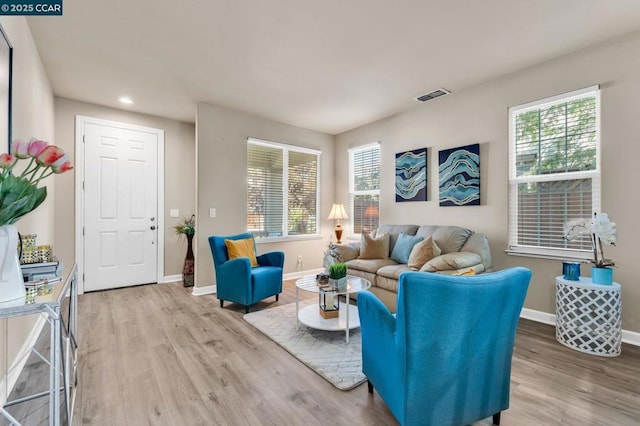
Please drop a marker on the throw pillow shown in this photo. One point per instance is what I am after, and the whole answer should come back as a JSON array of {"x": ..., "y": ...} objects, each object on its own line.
[
  {"x": 449, "y": 261},
  {"x": 403, "y": 247},
  {"x": 242, "y": 248},
  {"x": 374, "y": 248},
  {"x": 423, "y": 252}
]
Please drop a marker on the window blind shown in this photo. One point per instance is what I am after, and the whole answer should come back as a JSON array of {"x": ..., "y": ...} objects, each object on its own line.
[
  {"x": 554, "y": 173},
  {"x": 282, "y": 189},
  {"x": 364, "y": 188}
]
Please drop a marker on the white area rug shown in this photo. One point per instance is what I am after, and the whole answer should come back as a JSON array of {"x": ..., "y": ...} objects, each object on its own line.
[{"x": 325, "y": 352}]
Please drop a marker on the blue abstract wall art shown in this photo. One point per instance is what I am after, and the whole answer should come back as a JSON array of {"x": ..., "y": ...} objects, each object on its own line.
[
  {"x": 459, "y": 176},
  {"x": 411, "y": 175}
]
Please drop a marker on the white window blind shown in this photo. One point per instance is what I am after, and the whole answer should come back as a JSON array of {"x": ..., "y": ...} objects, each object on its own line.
[
  {"x": 282, "y": 189},
  {"x": 554, "y": 172},
  {"x": 364, "y": 188}
]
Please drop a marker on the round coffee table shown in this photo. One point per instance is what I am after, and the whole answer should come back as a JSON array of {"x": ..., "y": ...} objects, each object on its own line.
[{"x": 347, "y": 318}]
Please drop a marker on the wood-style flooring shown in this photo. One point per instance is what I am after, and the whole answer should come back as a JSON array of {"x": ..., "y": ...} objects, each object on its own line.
[{"x": 156, "y": 355}]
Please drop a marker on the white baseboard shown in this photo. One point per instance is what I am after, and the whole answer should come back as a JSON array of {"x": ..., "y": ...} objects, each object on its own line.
[
  {"x": 201, "y": 291},
  {"x": 538, "y": 316},
  {"x": 172, "y": 278},
  {"x": 630, "y": 337},
  {"x": 13, "y": 373},
  {"x": 299, "y": 274}
]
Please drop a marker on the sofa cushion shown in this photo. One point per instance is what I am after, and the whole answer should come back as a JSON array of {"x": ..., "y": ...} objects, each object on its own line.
[
  {"x": 450, "y": 261},
  {"x": 386, "y": 283},
  {"x": 449, "y": 238},
  {"x": 394, "y": 231},
  {"x": 403, "y": 247},
  {"x": 393, "y": 271},
  {"x": 374, "y": 248},
  {"x": 369, "y": 265},
  {"x": 472, "y": 270},
  {"x": 423, "y": 252}
]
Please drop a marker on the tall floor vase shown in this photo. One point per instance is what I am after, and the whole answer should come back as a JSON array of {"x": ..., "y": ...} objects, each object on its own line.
[
  {"x": 189, "y": 263},
  {"x": 12, "y": 291}
]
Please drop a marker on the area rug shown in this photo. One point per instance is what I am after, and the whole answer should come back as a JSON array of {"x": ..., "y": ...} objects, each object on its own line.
[{"x": 325, "y": 352}]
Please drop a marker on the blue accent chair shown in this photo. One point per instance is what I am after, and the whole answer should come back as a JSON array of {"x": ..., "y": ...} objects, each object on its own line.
[
  {"x": 237, "y": 281},
  {"x": 445, "y": 357}
]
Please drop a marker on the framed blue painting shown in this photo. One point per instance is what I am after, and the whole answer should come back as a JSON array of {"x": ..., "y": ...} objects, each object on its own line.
[
  {"x": 411, "y": 175},
  {"x": 459, "y": 176}
]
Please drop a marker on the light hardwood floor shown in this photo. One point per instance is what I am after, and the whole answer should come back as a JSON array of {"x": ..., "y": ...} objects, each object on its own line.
[{"x": 158, "y": 355}]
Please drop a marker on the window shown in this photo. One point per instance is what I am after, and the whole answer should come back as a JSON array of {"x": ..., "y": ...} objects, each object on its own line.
[
  {"x": 282, "y": 189},
  {"x": 364, "y": 188},
  {"x": 554, "y": 172}
]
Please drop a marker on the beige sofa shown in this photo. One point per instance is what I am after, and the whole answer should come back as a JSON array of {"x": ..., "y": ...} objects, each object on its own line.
[{"x": 462, "y": 251}]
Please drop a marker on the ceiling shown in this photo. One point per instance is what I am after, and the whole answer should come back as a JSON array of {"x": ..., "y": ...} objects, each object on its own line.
[{"x": 329, "y": 65}]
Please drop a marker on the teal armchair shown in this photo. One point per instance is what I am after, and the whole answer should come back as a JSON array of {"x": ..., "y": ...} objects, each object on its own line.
[
  {"x": 445, "y": 357},
  {"x": 237, "y": 281}
]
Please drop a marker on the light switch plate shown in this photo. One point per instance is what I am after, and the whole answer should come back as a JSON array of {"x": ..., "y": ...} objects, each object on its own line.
[
  {"x": 212, "y": 212},
  {"x": 174, "y": 212}
]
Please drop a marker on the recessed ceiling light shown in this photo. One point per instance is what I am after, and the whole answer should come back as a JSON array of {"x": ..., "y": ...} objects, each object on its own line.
[{"x": 125, "y": 100}]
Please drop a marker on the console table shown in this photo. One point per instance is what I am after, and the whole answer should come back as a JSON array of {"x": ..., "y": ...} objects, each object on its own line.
[
  {"x": 59, "y": 309},
  {"x": 589, "y": 316}
]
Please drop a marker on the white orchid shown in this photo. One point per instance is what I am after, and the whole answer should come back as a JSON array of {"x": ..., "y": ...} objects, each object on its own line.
[{"x": 600, "y": 230}]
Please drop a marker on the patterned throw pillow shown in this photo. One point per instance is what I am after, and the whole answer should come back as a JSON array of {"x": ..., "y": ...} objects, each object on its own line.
[
  {"x": 242, "y": 248},
  {"x": 374, "y": 248}
]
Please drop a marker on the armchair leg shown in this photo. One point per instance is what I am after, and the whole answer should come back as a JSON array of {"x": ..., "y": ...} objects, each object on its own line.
[
  {"x": 496, "y": 418},
  {"x": 246, "y": 309},
  {"x": 277, "y": 297},
  {"x": 370, "y": 386},
  {"x": 221, "y": 303}
]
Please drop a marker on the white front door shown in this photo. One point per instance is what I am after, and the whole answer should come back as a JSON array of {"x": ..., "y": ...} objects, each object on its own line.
[{"x": 120, "y": 205}]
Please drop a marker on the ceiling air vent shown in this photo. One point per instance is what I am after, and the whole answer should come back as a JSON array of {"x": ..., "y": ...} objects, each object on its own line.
[{"x": 432, "y": 95}]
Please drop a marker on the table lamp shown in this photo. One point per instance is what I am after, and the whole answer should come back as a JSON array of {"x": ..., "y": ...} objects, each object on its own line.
[{"x": 338, "y": 213}]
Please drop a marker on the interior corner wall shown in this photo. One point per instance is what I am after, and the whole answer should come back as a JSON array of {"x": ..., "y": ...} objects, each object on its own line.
[
  {"x": 221, "y": 154},
  {"x": 479, "y": 115},
  {"x": 32, "y": 110},
  {"x": 179, "y": 175}
]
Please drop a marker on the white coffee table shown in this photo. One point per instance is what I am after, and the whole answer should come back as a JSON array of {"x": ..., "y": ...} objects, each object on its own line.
[{"x": 347, "y": 318}]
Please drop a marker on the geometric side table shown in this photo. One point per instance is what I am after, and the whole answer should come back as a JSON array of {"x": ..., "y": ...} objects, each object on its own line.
[{"x": 589, "y": 316}]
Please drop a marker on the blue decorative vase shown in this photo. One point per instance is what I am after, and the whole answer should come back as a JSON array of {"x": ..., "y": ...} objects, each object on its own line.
[
  {"x": 571, "y": 271},
  {"x": 601, "y": 275}
]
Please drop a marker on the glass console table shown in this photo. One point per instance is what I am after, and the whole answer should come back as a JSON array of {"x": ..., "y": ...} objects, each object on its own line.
[{"x": 59, "y": 310}]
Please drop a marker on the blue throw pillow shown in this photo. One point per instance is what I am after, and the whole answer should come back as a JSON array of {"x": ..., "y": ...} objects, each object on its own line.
[{"x": 403, "y": 247}]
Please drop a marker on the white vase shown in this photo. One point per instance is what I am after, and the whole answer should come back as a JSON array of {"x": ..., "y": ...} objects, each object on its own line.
[{"x": 12, "y": 291}]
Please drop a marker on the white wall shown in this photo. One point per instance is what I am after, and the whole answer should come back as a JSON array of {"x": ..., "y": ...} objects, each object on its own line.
[
  {"x": 179, "y": 175},
  {"x": 32, "y": 116},
  {"x": 222, "y": 183},
  {"x": 479, "y": 115}
]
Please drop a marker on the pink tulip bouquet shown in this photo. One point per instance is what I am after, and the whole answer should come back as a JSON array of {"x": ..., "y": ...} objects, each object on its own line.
[{"x": 20, "y": 195}]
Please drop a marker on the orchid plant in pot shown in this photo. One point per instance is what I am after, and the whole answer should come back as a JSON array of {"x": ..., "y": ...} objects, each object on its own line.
[
  {"x": 600, "y": 230},
  {"x": 20, "y": 195}
]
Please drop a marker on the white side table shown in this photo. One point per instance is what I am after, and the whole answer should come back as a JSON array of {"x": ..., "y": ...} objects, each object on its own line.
[{"x": 589, "y": 316}]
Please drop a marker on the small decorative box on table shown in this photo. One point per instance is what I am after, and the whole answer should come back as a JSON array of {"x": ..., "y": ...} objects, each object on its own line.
[{"x": 589, "y": 316}]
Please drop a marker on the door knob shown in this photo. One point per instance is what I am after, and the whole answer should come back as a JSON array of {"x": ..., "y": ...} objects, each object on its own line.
[{"x": 153, "y": 228}]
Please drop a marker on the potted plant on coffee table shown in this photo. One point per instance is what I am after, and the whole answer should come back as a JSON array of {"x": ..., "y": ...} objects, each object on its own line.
[{"x": 338, "y": 276}]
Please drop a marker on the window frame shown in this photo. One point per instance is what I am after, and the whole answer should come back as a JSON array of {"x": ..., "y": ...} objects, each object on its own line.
[
  {"x": 286, "y": 148},
  {"x": 353, "y": 193},
  {"x": 513, "y": 180}
]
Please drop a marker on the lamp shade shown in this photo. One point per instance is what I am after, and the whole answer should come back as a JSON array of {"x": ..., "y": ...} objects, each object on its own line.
[{"x": 338, "y": 212}]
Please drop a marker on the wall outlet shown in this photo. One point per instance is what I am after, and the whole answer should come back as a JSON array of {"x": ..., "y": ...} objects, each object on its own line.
[{"x": 299, "y": 258}]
